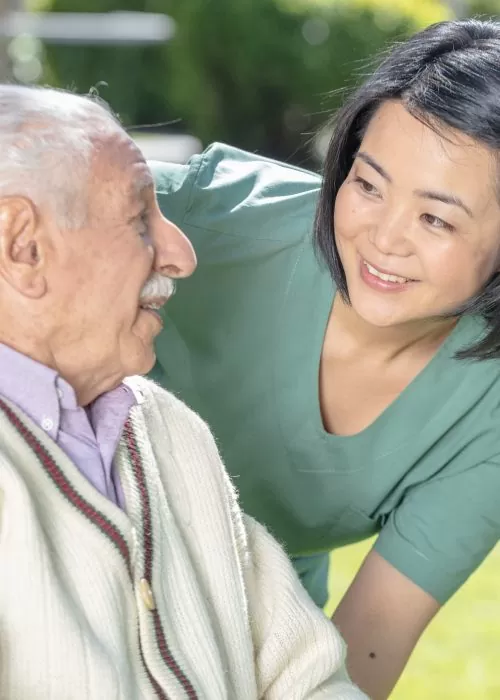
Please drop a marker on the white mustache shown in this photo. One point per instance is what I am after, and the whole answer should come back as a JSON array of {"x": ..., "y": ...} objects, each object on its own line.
[{"x": 158, "y": 286}]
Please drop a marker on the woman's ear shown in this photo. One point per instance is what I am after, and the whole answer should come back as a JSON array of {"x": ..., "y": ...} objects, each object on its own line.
[{"x": 22, "y": 247}]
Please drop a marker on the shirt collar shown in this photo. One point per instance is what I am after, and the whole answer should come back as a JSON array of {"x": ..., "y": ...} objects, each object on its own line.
[{"x": 36, "y": 389}]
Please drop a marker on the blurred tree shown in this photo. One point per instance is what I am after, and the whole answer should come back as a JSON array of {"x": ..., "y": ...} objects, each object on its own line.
[
  {"x": 484, "y": 8},
  {"x": 132, "y": 79},
  {"x": 7, "y": 6},
  {"x": 260, "y": 74},
  {"x": 257, "y": 72}
]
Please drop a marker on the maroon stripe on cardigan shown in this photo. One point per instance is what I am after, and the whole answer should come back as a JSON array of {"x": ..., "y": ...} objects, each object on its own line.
[
  {"x": 92, "y": 514},
  {"x": 169, "y": 659},
  {"x": 157, "y": 688},
  {"x": 66, "y": 488},
  {"x": 138, "y": 471}
]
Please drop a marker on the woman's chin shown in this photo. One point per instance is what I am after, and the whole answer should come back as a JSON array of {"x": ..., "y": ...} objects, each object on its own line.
[{"x": 380, "y": 314}]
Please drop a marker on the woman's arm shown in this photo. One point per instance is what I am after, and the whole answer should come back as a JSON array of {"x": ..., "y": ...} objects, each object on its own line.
[
  {"x": 381, "y": 618},
  {"x": 427, "y": 548}
]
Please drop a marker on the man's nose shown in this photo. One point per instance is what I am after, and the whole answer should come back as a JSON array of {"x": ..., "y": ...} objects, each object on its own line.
[{"x": 174, "y": 254}]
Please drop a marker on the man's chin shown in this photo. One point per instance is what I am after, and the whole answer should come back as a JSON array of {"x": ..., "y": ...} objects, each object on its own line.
[{"x": 144, "y": 364}]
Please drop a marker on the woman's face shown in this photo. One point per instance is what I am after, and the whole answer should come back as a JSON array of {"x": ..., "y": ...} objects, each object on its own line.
[{"x": 417, "y": 220}]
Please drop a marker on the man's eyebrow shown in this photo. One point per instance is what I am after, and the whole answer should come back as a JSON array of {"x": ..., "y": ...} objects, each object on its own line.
[
  {"x": 373, "y": 163},
  {"x": 140, "y": 184},
  {"x": 445, "y": 198}
]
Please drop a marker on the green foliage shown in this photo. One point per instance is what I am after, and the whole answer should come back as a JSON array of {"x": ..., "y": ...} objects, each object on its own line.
[
  {"x": 134, "y": 77},
  {"x": 260, "y": 74},
  {"x": 457, "y": 656},
  {"x": 420, "y": 14},
  {"x": 255, "y": 74},
  {"x": 485, "y": 8}
]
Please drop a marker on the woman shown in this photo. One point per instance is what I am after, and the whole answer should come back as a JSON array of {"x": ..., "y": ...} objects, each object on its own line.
[{"x": 352, "y": 377}]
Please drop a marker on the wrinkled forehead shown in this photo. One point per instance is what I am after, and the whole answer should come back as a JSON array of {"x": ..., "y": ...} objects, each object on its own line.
[{"x": 119, "y": 165}]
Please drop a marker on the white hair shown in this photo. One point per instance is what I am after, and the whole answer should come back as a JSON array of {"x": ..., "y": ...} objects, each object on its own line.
[{"x": 46, "y": 146}]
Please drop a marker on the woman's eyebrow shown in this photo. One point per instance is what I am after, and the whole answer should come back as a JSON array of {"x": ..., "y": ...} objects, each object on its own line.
[
  {"x": 366, "y": 158},
  {"x": 445, "y": 198}
]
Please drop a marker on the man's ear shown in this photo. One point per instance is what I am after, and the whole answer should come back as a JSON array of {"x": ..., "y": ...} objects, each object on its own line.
[{"x": 22, "y": 247}]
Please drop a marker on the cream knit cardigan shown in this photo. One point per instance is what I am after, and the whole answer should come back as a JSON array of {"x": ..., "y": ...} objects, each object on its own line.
[{"x": 179, "y": 598}]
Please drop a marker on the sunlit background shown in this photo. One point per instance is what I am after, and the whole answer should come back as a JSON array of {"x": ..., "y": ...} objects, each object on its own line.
[{"x": 263, "y": 75}]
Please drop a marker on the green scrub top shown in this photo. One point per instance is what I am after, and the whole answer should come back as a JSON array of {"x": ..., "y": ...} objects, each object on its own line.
[{"x": 241, "y": 345}]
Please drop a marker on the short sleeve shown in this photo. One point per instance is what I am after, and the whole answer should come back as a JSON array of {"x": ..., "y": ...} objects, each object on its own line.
[{"x": 444, "y": 528}]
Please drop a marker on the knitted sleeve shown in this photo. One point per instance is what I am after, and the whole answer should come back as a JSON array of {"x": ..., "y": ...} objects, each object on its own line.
[{"x": 299, "y": 653}]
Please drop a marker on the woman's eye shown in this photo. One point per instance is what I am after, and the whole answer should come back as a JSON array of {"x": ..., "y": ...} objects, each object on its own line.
[
  {"x": 366, "y": 186},
  {"x": 436, "y": 222}
]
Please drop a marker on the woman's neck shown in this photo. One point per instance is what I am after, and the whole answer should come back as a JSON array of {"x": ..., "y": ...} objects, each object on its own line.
[{"x": 358, "y": 335}]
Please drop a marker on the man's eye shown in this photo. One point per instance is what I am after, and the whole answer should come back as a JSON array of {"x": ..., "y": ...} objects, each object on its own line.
[
  {"x": 366, "y": 186},
  {"x": 436, "y": 222},
  {"x": 143, "y": 224}
]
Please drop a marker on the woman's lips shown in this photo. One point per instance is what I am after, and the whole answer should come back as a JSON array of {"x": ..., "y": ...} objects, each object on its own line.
[{"x": 382, "y": 280}]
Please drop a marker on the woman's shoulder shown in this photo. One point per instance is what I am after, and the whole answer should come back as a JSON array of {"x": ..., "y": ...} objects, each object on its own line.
[
  {"x": 231, "y": 191},
  {"x": 221, "y": 164},
  {"x": 463, "y": 399},
  {"x": 477, "y": 379}
]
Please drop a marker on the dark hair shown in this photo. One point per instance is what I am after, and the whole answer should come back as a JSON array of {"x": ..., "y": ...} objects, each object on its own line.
[{"x": 447, "y": 75}]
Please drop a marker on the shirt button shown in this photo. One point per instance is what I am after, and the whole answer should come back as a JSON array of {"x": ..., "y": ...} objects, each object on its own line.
[
  {"x": 139, "y": 396},
  {"x": 47, "y": 424},
  {"x": 147, "y": 594},
  {"x": 60, "y": 393}
]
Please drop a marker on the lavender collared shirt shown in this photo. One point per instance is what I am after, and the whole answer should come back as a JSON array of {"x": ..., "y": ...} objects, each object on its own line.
[{"x": 89, "y": 436}]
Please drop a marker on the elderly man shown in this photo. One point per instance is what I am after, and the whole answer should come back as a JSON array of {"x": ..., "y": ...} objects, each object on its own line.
[{"x": 128, "y": 570}]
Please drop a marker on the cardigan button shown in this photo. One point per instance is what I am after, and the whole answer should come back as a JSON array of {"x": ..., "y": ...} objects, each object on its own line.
[{"x": 147, "y": 594}]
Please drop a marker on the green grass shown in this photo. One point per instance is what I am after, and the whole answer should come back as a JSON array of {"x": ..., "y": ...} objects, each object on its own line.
[{"x": 458, "y": 657}]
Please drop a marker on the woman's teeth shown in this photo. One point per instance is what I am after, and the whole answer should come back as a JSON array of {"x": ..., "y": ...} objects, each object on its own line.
[{"x": 383, "y": 276}]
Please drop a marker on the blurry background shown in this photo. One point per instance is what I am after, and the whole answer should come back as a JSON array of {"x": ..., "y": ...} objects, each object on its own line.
[
  {"x": 262, "y": 75},
  {"x": 259, "y": 74}
]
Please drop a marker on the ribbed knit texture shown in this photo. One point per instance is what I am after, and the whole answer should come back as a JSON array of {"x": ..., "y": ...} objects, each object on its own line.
[{"x": 230, "y": 619}]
